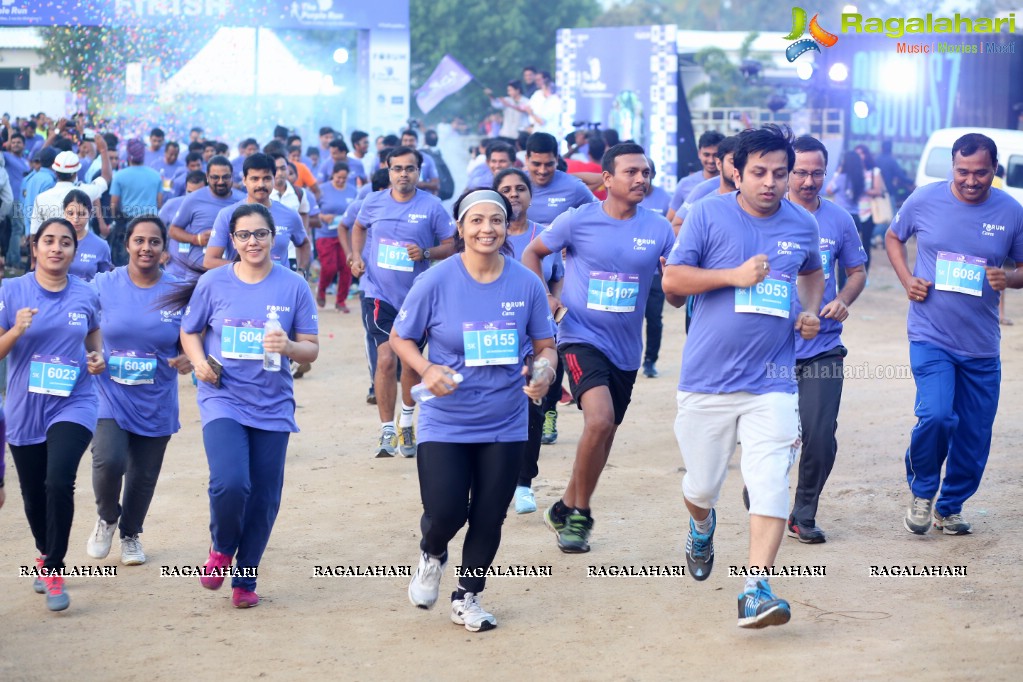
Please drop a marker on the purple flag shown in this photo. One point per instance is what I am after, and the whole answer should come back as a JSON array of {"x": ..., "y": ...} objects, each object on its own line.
[{"x": 448, "y": 78}]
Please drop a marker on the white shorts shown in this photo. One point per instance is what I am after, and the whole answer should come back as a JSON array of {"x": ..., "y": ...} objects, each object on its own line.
[{"x": 768, "y": 427}]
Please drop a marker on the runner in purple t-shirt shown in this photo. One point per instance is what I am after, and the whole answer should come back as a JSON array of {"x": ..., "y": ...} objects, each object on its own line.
[
  {"x": 612, "y": 247},
  {"x": 819, "y": 365},
  {"x": 964, "y": 231},
  {"x": 746, "y": 257},
  {"x": 397, "y": 234},
  {"x": 49, "y": 330},
  {"x": 138, "y": 395},
  {"x": 247, "y": 408}
]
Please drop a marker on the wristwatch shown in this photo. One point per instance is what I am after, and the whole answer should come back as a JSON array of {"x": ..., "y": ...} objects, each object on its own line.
[{"x": 426, "y": 254}]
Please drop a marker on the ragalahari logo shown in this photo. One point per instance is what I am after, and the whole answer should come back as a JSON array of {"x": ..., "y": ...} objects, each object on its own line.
[{"x": 799, "y": 27}]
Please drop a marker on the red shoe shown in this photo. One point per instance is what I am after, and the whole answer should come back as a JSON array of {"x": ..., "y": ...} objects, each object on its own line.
[
  {"x": 56, "y": 597},
  {"x": 244, "y": 599},
  {"x": 38, "y": 585},
  {"x": 566, "y": 397},
  {"x": 342, "y": 308},
  {"x": 321, "y": 300},
  {"x": 213, "y": 577}
]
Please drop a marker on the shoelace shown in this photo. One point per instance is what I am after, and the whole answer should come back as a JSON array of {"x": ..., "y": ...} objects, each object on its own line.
[
  {"x": 701, "y": 543},
  {"x": 54, "y": 584},
  {"x": 576, "y": 524},
  {"x": 433, "y": 568},
  {"x": 100, "y": 531},
  {"x": 921, "y": 506}
]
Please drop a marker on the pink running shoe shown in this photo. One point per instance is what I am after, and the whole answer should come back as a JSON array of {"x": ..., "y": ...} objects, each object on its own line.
[
  {"x": 212, "y": 579},
  {"x": 244, "y": 599},
  {"x": 38, "y": 585}
]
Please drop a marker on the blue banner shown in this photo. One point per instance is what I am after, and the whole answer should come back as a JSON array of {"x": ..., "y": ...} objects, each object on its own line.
[
  {"x": 624, "y": 78},
  {"x": 319, "y": 14}
]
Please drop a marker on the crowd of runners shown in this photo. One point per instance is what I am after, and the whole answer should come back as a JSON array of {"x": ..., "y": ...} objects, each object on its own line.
[{"x": 218, "y": 268}]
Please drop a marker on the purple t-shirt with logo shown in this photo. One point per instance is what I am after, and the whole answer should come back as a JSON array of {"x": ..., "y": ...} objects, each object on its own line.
[
  {"x": 559, "y": 195},
  {"x": 55, "y": 343},
  {"x": 288, "y": 225},
  {"x": 553, "y": 266},
  {"x": 196, "y": 213},
  {"x": 232, "y": 314},
  {"x": 334, "y": 202},
  {"x": 947, "y": 229},
  {"x": 840, "y": 248},
  {"x": 607, "y": 277},
  {"x": 481, "y": 331},
  {"x": 704, "y": 189},
  {"x": 657, "y": 201},
  {"x": 139, "y": 390},
  {"x": 392, "y": 225},
  {"x": 684, "y": 187},
  {"x": 92, "y": 256},
  {"x": 729, "y": 351}
]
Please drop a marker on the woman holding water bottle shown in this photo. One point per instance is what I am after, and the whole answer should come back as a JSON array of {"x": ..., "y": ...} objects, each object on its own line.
[
  {"x": 239, "y": 322},
  {"x": 138, "y": 394},
  {"x": 480, "y": 310},
  {"x": 49, "y": 330}
]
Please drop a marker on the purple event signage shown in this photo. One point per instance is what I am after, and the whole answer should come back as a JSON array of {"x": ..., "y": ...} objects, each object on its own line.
[
  {"x": 391, "y": 14},
  {"x": 448, "y": 78}
]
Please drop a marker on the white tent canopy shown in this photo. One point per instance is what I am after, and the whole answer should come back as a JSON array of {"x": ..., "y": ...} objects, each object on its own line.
[{"x": 227, "y": 66}]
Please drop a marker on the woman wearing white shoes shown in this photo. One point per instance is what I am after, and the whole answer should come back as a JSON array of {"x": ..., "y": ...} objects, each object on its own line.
[
  {"x": 138, "y": 394},
  {"x": 481, "y": 309}
]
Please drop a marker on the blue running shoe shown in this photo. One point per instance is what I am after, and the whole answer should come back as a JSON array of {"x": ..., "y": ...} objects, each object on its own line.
[
  {"x": 700, "y": 549},
  {"x": 759, "y": 608}
]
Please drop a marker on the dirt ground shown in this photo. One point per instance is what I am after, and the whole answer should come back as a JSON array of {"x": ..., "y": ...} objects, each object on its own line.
[{"x": 344, "y": 508}]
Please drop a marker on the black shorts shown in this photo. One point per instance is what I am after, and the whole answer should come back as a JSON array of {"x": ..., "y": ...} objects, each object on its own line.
[
  {"x": 588, "y": 368},
  {"x": 381, "y": 321}
]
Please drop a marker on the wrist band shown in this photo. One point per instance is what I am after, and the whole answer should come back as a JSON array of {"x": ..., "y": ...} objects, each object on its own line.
[{"x": 426, "y": 369}]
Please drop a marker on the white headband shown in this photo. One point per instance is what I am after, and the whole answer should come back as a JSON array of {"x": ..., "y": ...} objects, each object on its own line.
[{"x": 482, "y": 196}]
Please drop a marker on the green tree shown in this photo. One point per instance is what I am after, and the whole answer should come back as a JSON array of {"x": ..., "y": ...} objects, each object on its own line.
[
  {"x": 493, "y": 40},
  {"x": 727, "y": 85}
]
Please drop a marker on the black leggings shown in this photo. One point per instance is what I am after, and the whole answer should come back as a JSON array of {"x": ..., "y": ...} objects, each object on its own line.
[
  {"x": 531, "y": 455},
  {"x": 472, "y": 482},
  {"x": 47, "y": 473}
]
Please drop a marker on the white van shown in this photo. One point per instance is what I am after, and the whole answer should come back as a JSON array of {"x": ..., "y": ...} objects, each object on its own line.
[{"x": 936, "y": 160}]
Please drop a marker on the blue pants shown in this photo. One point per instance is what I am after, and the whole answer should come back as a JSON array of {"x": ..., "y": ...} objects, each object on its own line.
[
  {"x": 956, "y": 401},
  {"x": 246, "y": 478}
]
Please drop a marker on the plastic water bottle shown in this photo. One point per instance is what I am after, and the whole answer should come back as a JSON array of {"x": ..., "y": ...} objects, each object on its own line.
[
  {"x": 271, "y": 361},
  {"x": 539, "y": 365},
  {"x": 420, "y": 393}
]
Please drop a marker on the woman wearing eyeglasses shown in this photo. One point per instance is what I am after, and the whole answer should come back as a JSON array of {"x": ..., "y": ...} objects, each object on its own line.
[{"x": 247, "y": 412}]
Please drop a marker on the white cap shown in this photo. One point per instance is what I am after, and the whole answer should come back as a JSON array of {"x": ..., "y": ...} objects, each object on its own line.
[{"x": 67, "y": 162}]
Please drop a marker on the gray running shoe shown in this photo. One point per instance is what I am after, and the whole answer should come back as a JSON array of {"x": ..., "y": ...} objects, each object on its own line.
[
  {"x": 918, "y": 516},
  {"x": 953, "y": 524}
]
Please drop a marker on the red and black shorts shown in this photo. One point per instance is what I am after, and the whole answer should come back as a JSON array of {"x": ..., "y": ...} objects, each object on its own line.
[
  {"x": 588, "y": 368},
  {"x": 380, "y": 319}
]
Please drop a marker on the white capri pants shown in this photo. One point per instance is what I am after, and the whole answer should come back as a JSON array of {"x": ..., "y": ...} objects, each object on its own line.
[{"x": 706, "y": 427}]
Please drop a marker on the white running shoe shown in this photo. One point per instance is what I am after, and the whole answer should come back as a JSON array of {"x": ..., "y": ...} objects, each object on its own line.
[
  {"x": 425, "y": 584},
  {"x": 469, "y": 613},
  {"x": 131, "y": 551},
  {"x": 98, "y": 546}
]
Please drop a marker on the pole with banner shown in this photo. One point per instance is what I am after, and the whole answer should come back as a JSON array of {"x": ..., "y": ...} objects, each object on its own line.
[{"x": 448, "y": 78}]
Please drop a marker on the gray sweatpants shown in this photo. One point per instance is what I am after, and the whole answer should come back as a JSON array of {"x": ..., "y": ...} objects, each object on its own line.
[{"x": 118, "y": 454}]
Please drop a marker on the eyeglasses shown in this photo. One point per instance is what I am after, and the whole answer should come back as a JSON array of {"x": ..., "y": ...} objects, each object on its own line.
[
  {"x": 244, "y": 235},
  {"x": 219, "y": 178},
  {"x": 404, "y": 169},
  {"x": 801, "y": 174}
]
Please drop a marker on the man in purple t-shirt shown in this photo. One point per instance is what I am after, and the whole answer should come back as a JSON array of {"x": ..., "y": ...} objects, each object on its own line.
[
  {"x": 819, "y": 362},
  {"x": 964, "y": 231},
  {"x": 745, "y": 256},
  {"x": 612, "y": 247},
  {"x": 410, "y": 228}
]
